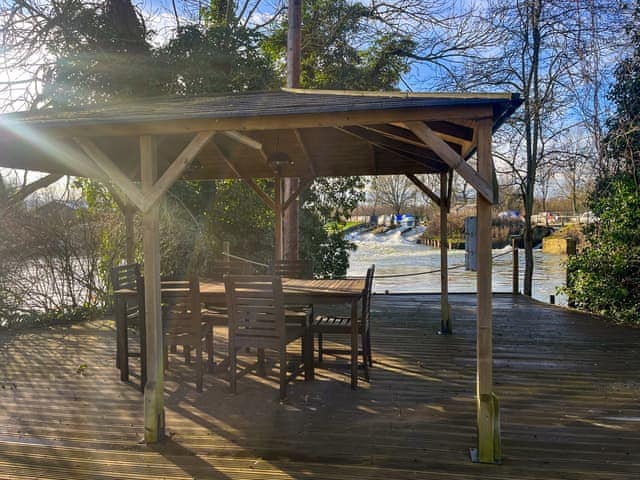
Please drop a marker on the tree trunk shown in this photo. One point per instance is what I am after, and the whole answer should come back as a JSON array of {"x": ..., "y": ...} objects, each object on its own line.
[{"x": 528, "y": 253}]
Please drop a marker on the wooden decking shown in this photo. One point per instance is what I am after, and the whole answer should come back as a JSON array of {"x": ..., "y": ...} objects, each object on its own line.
[{"x": 569, "y": 386}]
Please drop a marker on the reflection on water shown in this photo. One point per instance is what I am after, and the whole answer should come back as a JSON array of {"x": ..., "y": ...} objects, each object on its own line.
[{"x": 394, "y": 254}]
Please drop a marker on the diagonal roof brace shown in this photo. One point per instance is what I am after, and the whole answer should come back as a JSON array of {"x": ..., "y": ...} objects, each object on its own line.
[{"x": 453, "y": 159}]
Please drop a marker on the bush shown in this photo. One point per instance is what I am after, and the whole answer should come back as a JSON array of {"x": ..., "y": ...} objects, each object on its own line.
[{"x": 604, "y": 278}]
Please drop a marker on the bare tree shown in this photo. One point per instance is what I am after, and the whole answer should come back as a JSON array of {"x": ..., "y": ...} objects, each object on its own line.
[
  {"x": 537, "y": 58},
  {"x": 394, "y": 191}
]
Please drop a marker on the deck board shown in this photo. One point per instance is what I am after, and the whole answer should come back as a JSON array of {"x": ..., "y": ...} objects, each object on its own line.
[{"x": 568, "y": 383}]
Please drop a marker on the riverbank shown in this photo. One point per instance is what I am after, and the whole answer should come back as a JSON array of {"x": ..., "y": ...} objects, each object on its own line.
[{"x": 415, "y": 268}]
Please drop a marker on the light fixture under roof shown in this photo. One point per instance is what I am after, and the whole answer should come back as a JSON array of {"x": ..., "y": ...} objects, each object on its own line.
[{"x": 279, "y": 160}]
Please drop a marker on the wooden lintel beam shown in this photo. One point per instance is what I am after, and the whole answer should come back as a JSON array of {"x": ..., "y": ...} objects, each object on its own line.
[
  {"x": 248, "y": 180},
  {"x": 27, "y": 190},
  {"x": 305, "y": 152},
  {"x": 396, "y": 133},
  {"x": 304, "y": 184},
  {"x": 426, "y": 190},
  {"x": 453, "y": 159},
  {"x": 177, "y": 168},
  {"x": 111, "y": 170},
  {"x": 274, "y": 122}
]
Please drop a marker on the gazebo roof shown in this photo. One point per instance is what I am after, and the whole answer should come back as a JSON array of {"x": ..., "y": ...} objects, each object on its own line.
[{"x": 306, "y": 132}]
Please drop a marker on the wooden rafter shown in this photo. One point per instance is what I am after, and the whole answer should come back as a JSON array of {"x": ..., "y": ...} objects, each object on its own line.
[
  {"x": 403, "y": 154},
  {"x": 249, "y": 142},
  {"x": 453, "y": 159},
  {"x": 416, "y": 148},
  {"x": 243, "y": 139}
]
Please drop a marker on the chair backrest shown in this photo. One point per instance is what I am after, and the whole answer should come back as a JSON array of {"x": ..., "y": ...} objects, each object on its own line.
[
  {"x": 368, "y": 289},
  {"x": 125, "y": 276},
  {"x": 256, "y": 310},
  {"x": 219, "y": 269},
  {"x": 181, "y": 309},
  {"x": 293, "y": 268}
]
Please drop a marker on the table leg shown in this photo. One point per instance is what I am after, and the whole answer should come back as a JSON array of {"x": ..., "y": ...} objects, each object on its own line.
[
  {"x": 354, "y": 344},
  {"x": 116, "y": 316},
  {"x": 307, "y": 351},
  {"x": 143, "y": 348}
]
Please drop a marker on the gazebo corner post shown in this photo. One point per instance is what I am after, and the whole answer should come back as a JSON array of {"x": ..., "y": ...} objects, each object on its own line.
[
  {"x": 290, "y": 220},
  {"x": 129, "y": 213},
  {"x": 154, "y": 423},
  {"x": 488, "y": 412},
  {"x": 279, "y": 218},
  {"x": 445, "y": 310}
]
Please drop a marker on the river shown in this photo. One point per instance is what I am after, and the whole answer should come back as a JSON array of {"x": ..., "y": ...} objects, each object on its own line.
[{"x": 394, "y": 254}]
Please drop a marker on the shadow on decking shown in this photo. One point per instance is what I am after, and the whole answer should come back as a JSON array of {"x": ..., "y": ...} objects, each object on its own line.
[{"x": 568, "y": 385}]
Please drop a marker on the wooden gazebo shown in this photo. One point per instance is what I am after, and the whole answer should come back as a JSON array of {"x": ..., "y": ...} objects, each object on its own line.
[{"x": 143, "y": 147}]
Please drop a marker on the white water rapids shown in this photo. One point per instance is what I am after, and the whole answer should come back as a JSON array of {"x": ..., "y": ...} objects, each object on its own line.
[{"x": 396, "y": 254}]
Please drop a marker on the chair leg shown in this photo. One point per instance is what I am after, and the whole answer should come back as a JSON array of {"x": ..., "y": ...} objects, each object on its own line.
[
  {"x": 320, "y": 347},
  {"x": 165, "y": 352},
  {"x": 199, "y": 368},
  {"x": 261, "y": 368},
  {"x": 283, "y": 372},
  {"x": 369, "y": 348},
  {"x": 186, "y": 349},
  {"x": 365, "y": 357},
  {"x": 143, "y": 353}
]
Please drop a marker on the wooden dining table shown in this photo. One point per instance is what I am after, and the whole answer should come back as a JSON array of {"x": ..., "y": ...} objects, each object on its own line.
[{"x": 348, "y": 291}]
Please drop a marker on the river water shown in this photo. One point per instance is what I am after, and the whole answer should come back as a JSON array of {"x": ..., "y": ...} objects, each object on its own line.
[{"x": 394, "y": 254}]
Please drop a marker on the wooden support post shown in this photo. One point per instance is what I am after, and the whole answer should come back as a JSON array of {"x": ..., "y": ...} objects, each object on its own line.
[
  {"x": 516, "y": 266},
  {"x": 278, "y": 212},
  {"x": 290, "y": 221},
  {"x": 445, "y": 314},
  {"x": 154, "y": 389},
  {"x": 488, "y": 414}
]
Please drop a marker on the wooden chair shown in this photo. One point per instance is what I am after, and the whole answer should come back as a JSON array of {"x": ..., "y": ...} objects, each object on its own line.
[
  {"x": 294, "y": 269},
  {"x": 182, "y": 322},
  {"x": 336, "y": 324},
  {"x": 129, "y": 312},
  {"x": 216, "y": 315},
  {"x": 257, "y": 319}
]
